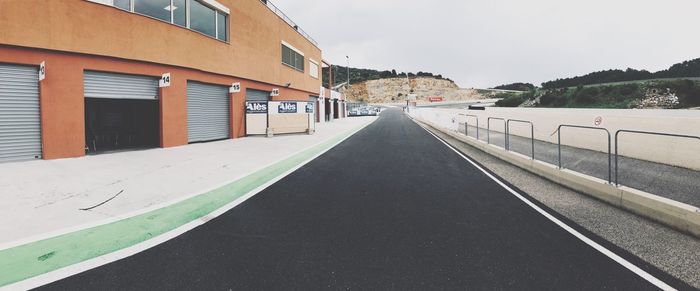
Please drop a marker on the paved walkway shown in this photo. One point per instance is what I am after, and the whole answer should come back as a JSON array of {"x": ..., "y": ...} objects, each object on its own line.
[
  {"x": 43, "y": 198},
  {"x": 671, "y": 182},
  {"x": 391, "y": 208}
]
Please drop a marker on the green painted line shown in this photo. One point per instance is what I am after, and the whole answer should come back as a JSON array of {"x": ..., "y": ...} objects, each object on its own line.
[{"x": 37, "y": 258}]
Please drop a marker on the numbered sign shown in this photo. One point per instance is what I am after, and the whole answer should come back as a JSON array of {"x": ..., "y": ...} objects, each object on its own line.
[
  {"x": 235, "y": 88},
  {"x": 164, "y": 80},
  {"x": 275, "y": 92},
  {"x": 42, "y": 71}
]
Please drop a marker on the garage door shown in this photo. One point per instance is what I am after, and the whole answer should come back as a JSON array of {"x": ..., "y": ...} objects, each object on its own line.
[
  {"x": 20, "y": 125},
  {"x": 120, "y": 86},
  {"x": 207, "y": 112},
  {"x": 257, "y": 95}
]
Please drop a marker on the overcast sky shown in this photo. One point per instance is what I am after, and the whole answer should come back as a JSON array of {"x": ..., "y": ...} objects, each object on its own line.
[{"x": 484, "y": 43}]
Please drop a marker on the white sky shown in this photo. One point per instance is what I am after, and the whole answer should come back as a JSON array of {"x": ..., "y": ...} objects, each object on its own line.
[{"x": 484, "y": 43}]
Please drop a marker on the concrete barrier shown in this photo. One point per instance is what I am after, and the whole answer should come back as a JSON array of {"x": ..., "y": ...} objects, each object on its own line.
[
  {"x": 666, "y": 150},
  {"x": 677, "y": 215}
]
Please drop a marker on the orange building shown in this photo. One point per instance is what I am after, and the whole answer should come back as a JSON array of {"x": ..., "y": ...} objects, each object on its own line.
[{"x": 89, "y": 76}]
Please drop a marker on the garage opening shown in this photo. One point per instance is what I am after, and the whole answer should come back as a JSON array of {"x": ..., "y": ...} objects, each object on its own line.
[
  {"x": 122, "y": 112},
  {"x": 116, "y": 125}
]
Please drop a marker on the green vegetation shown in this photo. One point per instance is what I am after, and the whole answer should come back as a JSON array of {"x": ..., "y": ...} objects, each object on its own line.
[
  {"x": 513, "y": 99},
  {"x": 619, "y": 96},
  {"x": 682, "y": 70},
  {"x": 612, "y": 89},
  {"x": 516, "y": 87},
  {"x": 340, "y": 75}
]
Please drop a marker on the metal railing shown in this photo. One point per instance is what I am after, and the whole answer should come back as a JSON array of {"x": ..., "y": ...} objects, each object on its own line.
[
  {"x": 488, "y": 130},
  {"x": 592, "y": 128},
  {"x": 289, "y": 21},
  {"x": 617, "y": 135},
  {"x": 532, "y": 134},
  {"x": 466, "y": 124}
]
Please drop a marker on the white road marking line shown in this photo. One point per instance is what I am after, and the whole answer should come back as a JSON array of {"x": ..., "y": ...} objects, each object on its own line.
[
  {"x": 84, "y": 266},
  {"x": 641, "y": 273}
]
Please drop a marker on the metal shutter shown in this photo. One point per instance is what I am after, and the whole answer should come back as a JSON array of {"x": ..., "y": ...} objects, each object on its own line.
[
  {"x": 257, "y": 95},
  {"x": 207, "y": 112},
  {"x": 120, "y": 86},
  {"x": 20, "y": 118}
]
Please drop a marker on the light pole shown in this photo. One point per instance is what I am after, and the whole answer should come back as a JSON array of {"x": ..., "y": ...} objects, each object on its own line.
[{"x": 348, "y": 73}]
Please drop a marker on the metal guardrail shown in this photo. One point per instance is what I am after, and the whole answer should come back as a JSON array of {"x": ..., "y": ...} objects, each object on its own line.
[
  {"x": 488, "y": 130},
  {"x": 289, "y": 21},
  {"x": 617, "y": 135},
  {"x": 532, "y": 134},
  {"x": 593, "y": 128},
  {"x": 466, "y": 124}
]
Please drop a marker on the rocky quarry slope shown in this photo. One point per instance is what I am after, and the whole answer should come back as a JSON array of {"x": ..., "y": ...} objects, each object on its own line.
[{"x": 394, "y": 90}]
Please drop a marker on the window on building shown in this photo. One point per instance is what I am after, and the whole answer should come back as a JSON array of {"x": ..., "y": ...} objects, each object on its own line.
[
  {"x": 292, "y": 58},
  {"x": 154, "y": 8},
  {"x": 221, "y": 26},
  {"x": 313, "y": 69},
  {"x": 179, "y": 9},
  {"x": 123, "y": 4},
  {"x": 202, "y": 18}
]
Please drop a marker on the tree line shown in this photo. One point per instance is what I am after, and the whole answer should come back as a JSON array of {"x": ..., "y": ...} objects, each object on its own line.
[
  {"x": 681, "y": 70},
  {"x": 340, "y": 75}
]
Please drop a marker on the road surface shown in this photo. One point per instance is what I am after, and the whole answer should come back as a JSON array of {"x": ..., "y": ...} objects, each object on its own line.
[{"x": 391, "y": 208}]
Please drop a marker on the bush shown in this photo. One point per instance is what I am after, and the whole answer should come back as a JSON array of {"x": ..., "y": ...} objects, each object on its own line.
[
  {"x": 512, "y": 101},
  {"x": 587, "y": 95}
]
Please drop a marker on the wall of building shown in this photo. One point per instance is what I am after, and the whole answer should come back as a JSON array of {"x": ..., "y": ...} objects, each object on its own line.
[
  {"x": 253, "y": 52},
  {"x": 62, "y": 98},
  {"x": 666, "y": 150}
]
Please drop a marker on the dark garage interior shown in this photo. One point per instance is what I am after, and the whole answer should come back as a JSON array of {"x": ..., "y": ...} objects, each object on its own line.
[{"x": 116, "y": 125}]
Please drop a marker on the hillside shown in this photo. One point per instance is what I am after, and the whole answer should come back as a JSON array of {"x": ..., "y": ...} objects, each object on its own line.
[
  {"x": 654, "y": 94},
  {"x": 394, "y": 90},
  {"x": 676, "y": 87},
  {"x": 340, "y": 75},
  {"x": 682, "y": 70}
]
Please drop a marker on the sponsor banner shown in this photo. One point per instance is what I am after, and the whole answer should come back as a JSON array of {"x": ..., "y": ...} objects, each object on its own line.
[
  {"x": 436, "y": 99},
  {"x": 287, "y": 107},
  {"x": 310, "y": 107},
  {"x": 256, "y": 107}
]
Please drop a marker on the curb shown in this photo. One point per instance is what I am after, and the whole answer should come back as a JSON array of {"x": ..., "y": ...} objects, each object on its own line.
[
  {"x": 677, "y": 215},
  {"x": 41, "y": 262}
]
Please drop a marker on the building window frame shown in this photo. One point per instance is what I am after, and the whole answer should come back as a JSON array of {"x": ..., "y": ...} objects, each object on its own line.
[
  {"x": 218, "y": 8},
  {"x": 296, "y": 65},
  {"x": 314, "y": 73}
]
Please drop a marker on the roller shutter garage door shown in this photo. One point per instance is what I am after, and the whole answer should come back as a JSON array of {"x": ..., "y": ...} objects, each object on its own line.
[
  {"x": 208, "y": 114},
  {"x": 257, "y": 95},
  {"x": 120, "y": 86},
  {"x": 20, "y": 118}
]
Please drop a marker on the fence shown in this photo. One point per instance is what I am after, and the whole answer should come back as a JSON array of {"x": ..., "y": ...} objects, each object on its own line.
[
  {"x": 444, "y": 120},
  {"x": 289, "y": 21}
]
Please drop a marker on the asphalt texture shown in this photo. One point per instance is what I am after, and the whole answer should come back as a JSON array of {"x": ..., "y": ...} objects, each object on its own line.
[
  {"x": 676, "y": 183},
  {"x": 391, "y": 208}
]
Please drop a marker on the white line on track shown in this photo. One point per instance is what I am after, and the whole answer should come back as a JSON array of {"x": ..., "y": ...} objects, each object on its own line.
[{"x": 641, "y": 273}]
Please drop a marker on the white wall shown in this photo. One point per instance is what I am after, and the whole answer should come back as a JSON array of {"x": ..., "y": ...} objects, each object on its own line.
[{"x": 672, "y": 151}]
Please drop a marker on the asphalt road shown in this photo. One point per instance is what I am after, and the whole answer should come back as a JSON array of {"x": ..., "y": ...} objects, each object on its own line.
[{"x": 391, "y": 208}]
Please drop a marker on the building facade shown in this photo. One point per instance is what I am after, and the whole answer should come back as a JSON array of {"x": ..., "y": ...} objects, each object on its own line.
[{"x": 87, "y": 76}]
